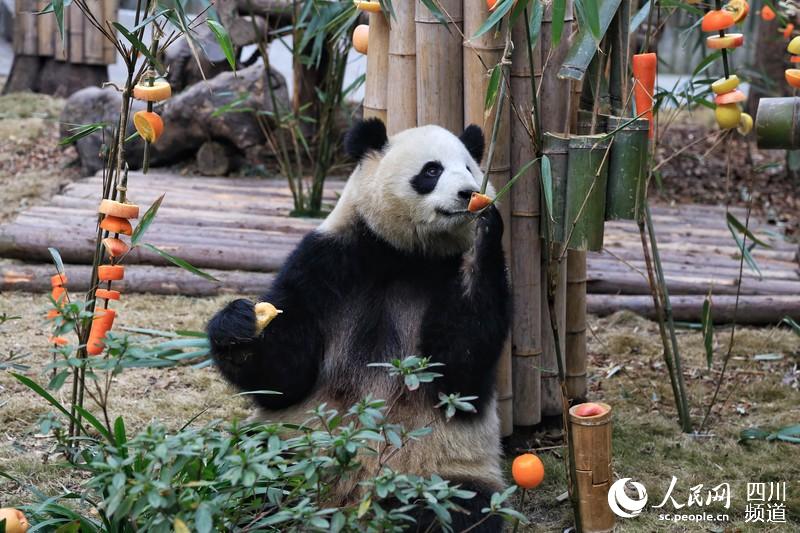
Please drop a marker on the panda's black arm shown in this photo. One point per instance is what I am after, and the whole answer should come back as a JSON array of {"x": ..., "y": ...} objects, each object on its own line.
[
  {"x": 286, "y": 356},
  {"x": 467, "y": 327}
]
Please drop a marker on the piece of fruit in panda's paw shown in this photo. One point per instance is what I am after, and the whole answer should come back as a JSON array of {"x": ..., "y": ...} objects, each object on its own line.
[
  {"x": 477, "y": 202},
  {"x": 16, "y": 522},
  {"x": 527, "y": 470},
  {"x": 265, "y": 313}
]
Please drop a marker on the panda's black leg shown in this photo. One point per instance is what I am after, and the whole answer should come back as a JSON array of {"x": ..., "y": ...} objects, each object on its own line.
[{"x": 471, "y": 518}]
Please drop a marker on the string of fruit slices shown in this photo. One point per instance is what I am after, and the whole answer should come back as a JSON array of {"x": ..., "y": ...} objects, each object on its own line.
[
  {"x": 115, "y": 223},
  {"x": 728, "y": 97}
]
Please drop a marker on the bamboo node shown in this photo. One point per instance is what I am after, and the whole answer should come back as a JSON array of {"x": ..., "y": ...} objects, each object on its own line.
[
  {"x": 532, "y": 353},
  {"x": 525, "y": 214}
]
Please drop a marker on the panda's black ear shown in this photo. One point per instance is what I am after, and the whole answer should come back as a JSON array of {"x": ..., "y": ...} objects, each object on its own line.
[
  {"x": 473, "y": 140},
  {"x": 365, "y": 136}
]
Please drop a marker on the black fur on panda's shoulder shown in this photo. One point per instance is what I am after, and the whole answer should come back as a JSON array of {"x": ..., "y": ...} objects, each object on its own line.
[
  {"x": 365, "y": 136},
  {"x": 472, "y": 137}
]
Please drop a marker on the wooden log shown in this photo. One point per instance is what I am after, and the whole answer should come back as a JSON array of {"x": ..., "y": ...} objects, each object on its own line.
[
  {"x": 213, "y": 158},
  {"x": 138, "y": 279},
  {"x": 480, "y": 55},
  {"x": 375, "y": 87},
  {"x": 627, "y": 283},
  {"x": 687, "y": 268},
  {"x": 526, "y": 252},
  {"x": 440, "y": 90},
  {"x": 401, "y": 92},
  {"x": 753, "y": 310},
  {"x": 575, "y": 325}
]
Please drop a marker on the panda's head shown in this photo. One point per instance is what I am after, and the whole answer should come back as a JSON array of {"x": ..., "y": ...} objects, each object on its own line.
[{"x": 412, "y": 189}]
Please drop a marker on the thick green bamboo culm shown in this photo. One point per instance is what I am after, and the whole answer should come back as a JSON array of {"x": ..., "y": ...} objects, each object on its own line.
[
  {"x": 556, "y": 148},
  {"x": 778, "y": 123},
  {"x": 626, "y": 168},
  {"x": 587, "y": 172}
]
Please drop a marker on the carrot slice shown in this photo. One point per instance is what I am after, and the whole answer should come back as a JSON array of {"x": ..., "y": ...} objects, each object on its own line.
[
  {"x": 118, "y": 209},
  {"x": 477, "y": 202},
  {"x": 795, "y": 59},
  {"x": 114, "y": 224},
  {"x": 101, "y": 324},
  {"x": 644, "y": 74},
  {"x": 52, "y": 313},
  {"x": 115, "y": 247},
  {"x": 717, "y": 20},
  {"x": 58, "y": 341},
  {"x": 59, "y": 280},
  {"x": 110, "y": 272},
  {"x": 767, "y": 13},
  {"x": 58, "y": 293},
  {"x": 160, "y": 90},
  {"x": 106, "y": 294},
  {"x": 787, "y": 31},
  {"x": 149, "y": 125}
]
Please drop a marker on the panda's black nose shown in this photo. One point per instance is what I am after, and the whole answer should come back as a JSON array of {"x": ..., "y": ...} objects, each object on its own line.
[{"x": 466, "y": 194}]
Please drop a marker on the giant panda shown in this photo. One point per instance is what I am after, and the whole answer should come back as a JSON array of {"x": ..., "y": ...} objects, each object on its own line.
[{"x": 398, "y": 268}]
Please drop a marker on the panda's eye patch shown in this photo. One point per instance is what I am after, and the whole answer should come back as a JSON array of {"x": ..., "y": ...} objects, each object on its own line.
[{"x": 428, "y": 176}]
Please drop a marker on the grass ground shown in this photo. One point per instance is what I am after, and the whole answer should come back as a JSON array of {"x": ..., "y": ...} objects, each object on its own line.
[{"x": 647, "y": 443}]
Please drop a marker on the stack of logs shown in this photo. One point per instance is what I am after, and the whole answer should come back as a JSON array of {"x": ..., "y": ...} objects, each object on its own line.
[{"x": 421, "y": 70}]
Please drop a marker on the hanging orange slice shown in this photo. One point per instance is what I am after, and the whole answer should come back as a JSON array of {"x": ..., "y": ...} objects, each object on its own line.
[
  {"x": 118, "y": 209},
  {"x": 767, "y": 13},
  {"x": 371, "y": 7},
  {"x": 793, "y": 77},
  {"x": 730, "y": 40},
  {"x": 116, "y": 225},
  {"x": 106, "y": 294},
  {"x": 149, "y": 125},
  {"x": 739, "y": 9},
  {"x": 115, "y": 247},
  {"x": 110, "y": 272},
  {"x": 361, "y": 38},
  {"x": 717, "y": 20},
  {"x": 732, "y": 97},
  {"x": 160, "y": 90}
]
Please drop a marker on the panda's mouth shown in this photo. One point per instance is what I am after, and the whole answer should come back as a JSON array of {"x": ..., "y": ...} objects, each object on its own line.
[{"x": 452, "y": 214}]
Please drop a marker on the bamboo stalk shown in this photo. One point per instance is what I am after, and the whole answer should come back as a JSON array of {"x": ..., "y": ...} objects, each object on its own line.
[
  {"x": 586, "y": 192},
  {"x": 440, "y": 90},
  {"x": 525, "y": 243},
  {"x": 375, "y": 87},
  {"x": 402, "y": 82},
  {"x": 575, "y": 324},
  {"x": 479, "y": 55}
]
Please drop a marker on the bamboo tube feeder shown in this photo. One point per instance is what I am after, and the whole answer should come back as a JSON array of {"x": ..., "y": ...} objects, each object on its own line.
[
  {"x": 440, "y": 91},
  {"x": 590, "y": 427},
  {"x": 480, "y": 55},
  {"x": 378, "y": 67},
  {"x": 402, "y": 81}
]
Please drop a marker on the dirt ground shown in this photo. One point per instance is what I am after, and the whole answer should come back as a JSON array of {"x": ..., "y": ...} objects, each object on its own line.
[{"x": 625, "y": 367}]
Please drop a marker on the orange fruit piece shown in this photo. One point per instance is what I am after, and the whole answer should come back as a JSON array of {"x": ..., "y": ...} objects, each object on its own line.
[
  {"x": 733, "y": 97},
  {"x": 795, "y": 59},
  {"x": 793, "y": 77},
  {"x": 729, "y": 40},
  {"x": 361, "y": 38},
  {"x": 160, "y": 90},
  {"x": 16, "y": 522},
  {"x": 106, "y": 294},
  {"x": 118, "y": 209},
  {"x": 717, "y": 20},
  {"x": 787, "y": 31},
  {"x": 477, "y": 202},
  {"x": 101, "y": 324},
  {"x": 58, "y": 280},
  {"x": 110, "y": 272},
  {"x": 767, "y": 13},
  {"x": 58, "y": 294},
  {"x": 149, "y": 125},
  {"x": 114, "y": 224},
  {"x": 58, "y": 341},
  {"x": 115, "y": 247},
  {"x": 528, "y": 471},
  {"x": 739, "y": 9},
  {"x": 52, "y": 313}
]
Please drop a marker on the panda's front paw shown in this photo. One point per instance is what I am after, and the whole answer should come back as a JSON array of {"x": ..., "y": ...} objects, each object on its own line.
[
  {"x": 235, "y": 324},
  {"x": 489, "y": 227}
]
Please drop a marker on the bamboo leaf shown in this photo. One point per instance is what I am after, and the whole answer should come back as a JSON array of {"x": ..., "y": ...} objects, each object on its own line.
[
  {"x": 58, "y": 10},
  {"x": 57, "y": 260},
  {"x": 792, "y": 324},
  {"x": 708, "y": 331},
  {"x": 435, "y": 11},
  {"x": 138, "y": 45},
  {"x": 746, "y": 253},
  {"x": 512, "y": 181},
  {"x": 559, "y": 8},
  {"x": 119, "y": 431},
  {"x": 547, "y": 186},
  {"x": 81, "y": 131},
  {"x": 224, "y": 41},
  {"x": 733, "y": 221},
  {"x": 535, "y": 24},
  {"x": 584, "y": 47},
  {"x": 640, "y": 17},
  {"x": 180, "y": 262},
  {"x": 590, "y": 15},
  {"x": 500, "y": 11},
  {"x": 706, "y": 62},
  {"x": 491, "y": 89},
  {"x": 147, "y": 219}
]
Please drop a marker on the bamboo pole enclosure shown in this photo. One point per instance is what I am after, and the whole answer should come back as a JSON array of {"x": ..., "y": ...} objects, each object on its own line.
[
  {"x": 480, "y": 55},
  {"x": 375, "y": 85},
  {"x": 402, "y": 79},
  {"x": 440, "y": 89}
]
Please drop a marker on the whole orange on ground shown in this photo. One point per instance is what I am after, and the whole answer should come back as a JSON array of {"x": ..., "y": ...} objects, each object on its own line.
[
  {"x": 15, "y": 520},
  {"x": 528, "y": 471}
]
